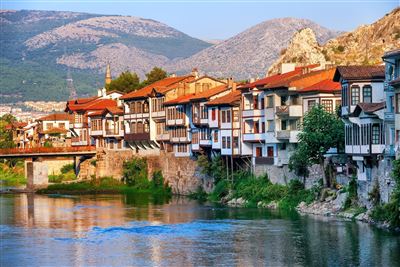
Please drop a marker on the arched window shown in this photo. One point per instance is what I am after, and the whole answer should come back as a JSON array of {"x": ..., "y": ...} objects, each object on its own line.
[
  {"x": 355, "y": 95},
  {"x": 367, "y": 94}
]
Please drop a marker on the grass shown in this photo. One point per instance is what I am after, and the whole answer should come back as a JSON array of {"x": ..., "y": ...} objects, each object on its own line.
[
  {"x": 102, "y": 185},
  {"x": 256, "y": 189},
  {"x": 12, "y": 176}
]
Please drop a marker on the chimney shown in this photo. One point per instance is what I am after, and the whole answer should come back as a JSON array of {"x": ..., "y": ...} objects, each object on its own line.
[
  {"x": 287, "y": 67},
  {"x": 99, "y": 92},
  {"x": 172, "y": 75},
  {"x": 234, "y": 85},
  {"x": 252, "y": 79},
  {"x": 229, "y": 82},
  {"x": 104, "y": 92},
  {"x": 195, "y": 73}
]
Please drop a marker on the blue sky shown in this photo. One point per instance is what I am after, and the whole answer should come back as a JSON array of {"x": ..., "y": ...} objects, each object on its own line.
[{"x": 207, "y": 19}]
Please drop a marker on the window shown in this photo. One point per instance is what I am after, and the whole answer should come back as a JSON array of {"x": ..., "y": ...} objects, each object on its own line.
[
  {"x": 262, "y": 101},
  {"x": 355, "y": 95},
  {"x": 139, "y": 127},
  {"x": 235, "y": 142},
  {"x": 270, "y": 101},
  {"x": 283, "y": 100},
  {"x": 213, "y": 115},
  {"x": 203, "y": 112},
  {"x": 328, "y": 105},
  {"x": 270, "y": 151},
  {"x": 367, "y": 94},
  {"x": 311, "y": 104},
  {"x": 216, "y": 136},
  {"x": 61, "y": 125},
  {"x": 228, "y": 142},
  {"x": 256, "y": 127},
  {"x": 255, "y": 102},
  {"x": 397, "y": 105},
  {"x": 258, "y": 151},
  {"x": 375, "y": 134},
  {"x": 284, "y": 125},
  {"x": 223, "y": 142},
  {"x": 223, "y": 117},
  {"x": 228, "y": 116},
  {"x": 263, "y": 127},
  {"x": 49, "y": 126},
  {"x": 146, "y": 107}
]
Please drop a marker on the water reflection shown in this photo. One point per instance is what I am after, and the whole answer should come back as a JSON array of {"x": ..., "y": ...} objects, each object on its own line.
[{"x": 143, "y": 230}]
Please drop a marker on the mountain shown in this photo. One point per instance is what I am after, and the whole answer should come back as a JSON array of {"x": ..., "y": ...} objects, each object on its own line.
[
  {"x": 251, "y": 52},
  {"x": 365, "y": 45},
  {"x": 39, "y": 46}
]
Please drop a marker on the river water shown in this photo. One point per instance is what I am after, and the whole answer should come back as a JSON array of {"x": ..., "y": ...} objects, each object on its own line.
[{"x": 141, "y": 230}]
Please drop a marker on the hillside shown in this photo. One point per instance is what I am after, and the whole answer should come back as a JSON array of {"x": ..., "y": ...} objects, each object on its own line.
[
  {"x": 365, "y": 45},
  {"x": 251, "y": 52},
  {"x": 38, "y": 46}
]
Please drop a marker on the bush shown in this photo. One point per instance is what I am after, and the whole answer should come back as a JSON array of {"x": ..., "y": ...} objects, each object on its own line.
[
  {"x": 135, "y": 173},
  {"x": 157, "y": 179},
  {"x": 221, "y": 190},
  {"x": 67, "y": 168},
  {"x": 352, "y": 190}
]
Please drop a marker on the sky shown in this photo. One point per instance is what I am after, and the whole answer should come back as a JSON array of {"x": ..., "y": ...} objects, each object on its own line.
[{"x": 221, "y": 19}]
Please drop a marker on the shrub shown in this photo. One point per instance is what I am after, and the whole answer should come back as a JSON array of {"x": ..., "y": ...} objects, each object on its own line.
[
  {"x": 135, "y": 173},
  {"x": 67, "y": 168},
  {"x": 157, "y": 179},
  {"x": 221, "y": 190}
]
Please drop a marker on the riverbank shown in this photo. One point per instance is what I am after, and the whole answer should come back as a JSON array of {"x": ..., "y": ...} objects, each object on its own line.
[
  {"x": 106, "y": 185},
  {"x": 12, "y": 175}
]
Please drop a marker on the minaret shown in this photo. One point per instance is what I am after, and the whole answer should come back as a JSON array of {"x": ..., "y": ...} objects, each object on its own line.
[{"x": 108, "y": 74}]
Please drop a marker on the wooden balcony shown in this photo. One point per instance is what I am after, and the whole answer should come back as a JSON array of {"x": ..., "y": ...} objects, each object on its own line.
[
  {"x": 137, "y": 137},
  {"x": 294, "y": 111}
]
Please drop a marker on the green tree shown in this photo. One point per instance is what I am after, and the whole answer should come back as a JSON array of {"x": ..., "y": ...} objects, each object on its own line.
[
  {"x": 299, "y": 164},
  {"x": 154, "y": 75},
  {"x": 321, "y": 131},
  {"x": 6, "y": 138},
  {"x": 126, "y": 82}
]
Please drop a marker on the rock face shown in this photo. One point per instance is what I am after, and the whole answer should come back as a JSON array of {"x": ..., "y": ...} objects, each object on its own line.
[
  {"x": 303, "y": 47},
  {"x": 365, "y": 45},
  {"x": 251, "y": 52}
]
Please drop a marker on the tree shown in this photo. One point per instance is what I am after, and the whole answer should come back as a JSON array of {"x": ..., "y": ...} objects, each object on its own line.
[
  {"x": 126, "y": 82},
  {"x": 154, "y": 75},
  {"x": 299, "y": 164},
  {"x": 321, "y": 131},
  {"x": 6, "y": 138}
]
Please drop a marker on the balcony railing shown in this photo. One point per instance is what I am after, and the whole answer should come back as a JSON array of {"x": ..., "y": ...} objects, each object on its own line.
[
  {"x": 137, "y": 137},
  {"x": 112, "y": 132},
  {"x": 284, "y": 134},
  {"x": 264, "y": 160},
  {"x": 291, "y": 111}
]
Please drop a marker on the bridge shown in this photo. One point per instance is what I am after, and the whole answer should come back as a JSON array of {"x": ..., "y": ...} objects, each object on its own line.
[
  {"x": 46, "y": 152},
  {"x": 40, "y": 161}
]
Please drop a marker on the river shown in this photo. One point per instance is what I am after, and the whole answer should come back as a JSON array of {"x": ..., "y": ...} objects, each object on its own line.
[{"x": 143, "y": 230}]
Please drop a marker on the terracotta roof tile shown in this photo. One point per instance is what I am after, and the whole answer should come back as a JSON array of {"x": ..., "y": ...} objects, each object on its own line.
[
  {"x": 325, "y": 86},
  {"x": 97, "y": 104},
  {"x": 303, "y": 80},
  {"x": 231, "y": 99},
  {"x": 210, "y": 92},
  {"x": 359, "y": 72},
  {"x": 161, "y": 86},
  {"x": 180, "y": 100}
]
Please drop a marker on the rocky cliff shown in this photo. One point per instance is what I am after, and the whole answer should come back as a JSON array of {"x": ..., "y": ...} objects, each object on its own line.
[{"x": 365, "y": 45}]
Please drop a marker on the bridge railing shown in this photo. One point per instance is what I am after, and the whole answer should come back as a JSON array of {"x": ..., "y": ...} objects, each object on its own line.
[{"x": 39, "y": 150}]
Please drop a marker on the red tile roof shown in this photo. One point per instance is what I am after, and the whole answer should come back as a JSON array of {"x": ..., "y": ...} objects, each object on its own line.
[
  {"x": 210, "y": 92},
  {"x": 113, "y": 110},
  {"x": 359, "y": 73},
  {"x": 368, "y": 107},
  {"x": 180, "y": 100},
  {"x": 231, "y": 99},
  {"x": 56, "y": 117},
  {"x": 97, "y": 104},
  {"x": 303, "y": 80},
  {"x": 325, "y": 86},
  {"x": 161, "y": 86}
]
